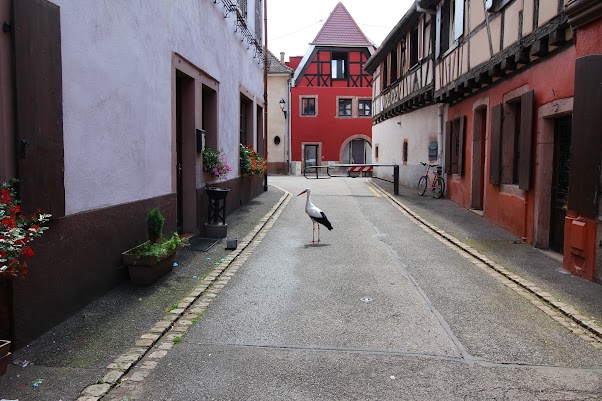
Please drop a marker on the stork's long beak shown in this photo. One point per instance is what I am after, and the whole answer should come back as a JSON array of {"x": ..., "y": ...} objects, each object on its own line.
[{"x": 302, "y": 193}]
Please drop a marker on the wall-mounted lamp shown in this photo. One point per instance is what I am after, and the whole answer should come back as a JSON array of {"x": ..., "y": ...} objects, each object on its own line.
[{"x": 282, "y": 106}]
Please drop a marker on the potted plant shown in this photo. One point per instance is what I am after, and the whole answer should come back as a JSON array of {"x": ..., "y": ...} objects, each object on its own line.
[
  {"x": 16, "y": 233},
  {"x": 215, "y": 164},
  {"x": 154, "y": 258}
]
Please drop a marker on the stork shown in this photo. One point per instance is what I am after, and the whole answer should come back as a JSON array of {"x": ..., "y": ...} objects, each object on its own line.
[{"x": 316, "y": 216}]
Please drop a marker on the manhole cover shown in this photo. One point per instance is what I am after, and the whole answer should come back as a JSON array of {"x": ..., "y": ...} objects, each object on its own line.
[{"x": 366, "y": 299}]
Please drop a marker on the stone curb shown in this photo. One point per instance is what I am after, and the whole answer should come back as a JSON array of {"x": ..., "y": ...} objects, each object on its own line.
[
  {"x": 586, "y": 323},
  {"x": 138, "y": 361}
]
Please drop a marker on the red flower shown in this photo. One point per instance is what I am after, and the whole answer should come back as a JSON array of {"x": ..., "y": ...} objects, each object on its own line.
[
  {"x": 15, "y": 209},
  {"x": 5, "y": 195},
  {"x": 27, "y": 252},
  {"x": 8, "y": 222}
]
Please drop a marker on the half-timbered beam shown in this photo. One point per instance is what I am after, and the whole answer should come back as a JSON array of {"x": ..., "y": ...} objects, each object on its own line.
[
  {"x": 508, "y": 64},
  {"x": 540, "y": 47}
]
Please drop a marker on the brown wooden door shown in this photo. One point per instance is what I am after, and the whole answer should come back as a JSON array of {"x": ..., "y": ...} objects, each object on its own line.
[{"x": 560, "y": 182}]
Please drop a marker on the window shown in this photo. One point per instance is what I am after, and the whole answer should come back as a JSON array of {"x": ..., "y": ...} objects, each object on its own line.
[
  {"x": 414, "y": 47},
  {"x": 364, "y": 108},
  {"x": 450, "y": 25},
  {"x": 404, "y": 154},
  {"x": 246, "y": 120},
  {"x": 511, "y": 142},
  {"x": 454, "y": 146},
  {"x": 308, "y": 106},
  {"x": 339, "y": 66},
  {"x": 344, "y": 107}
]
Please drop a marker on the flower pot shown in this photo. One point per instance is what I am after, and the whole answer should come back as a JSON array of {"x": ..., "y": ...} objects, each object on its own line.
[{"x": 145, "y": 270}]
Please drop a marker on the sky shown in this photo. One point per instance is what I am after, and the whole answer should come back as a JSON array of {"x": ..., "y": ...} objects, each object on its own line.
[{"x": 293, "y": 24}]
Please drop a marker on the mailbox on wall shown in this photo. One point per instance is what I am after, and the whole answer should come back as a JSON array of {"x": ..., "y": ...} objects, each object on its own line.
[{"x": 200, "y": 140}]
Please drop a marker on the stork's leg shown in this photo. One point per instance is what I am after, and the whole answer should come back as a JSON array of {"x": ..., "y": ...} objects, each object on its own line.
[
  {"x": 318, "y": 233},
  {"x": 313, "y": 232}
]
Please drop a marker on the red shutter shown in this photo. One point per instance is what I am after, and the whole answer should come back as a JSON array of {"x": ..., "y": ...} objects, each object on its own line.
[
  {"x": 526, "y": 140},
  {"x": 586, "y": 140},
  {"x": 461, "y": 135},
  {"x": 496, "y": 138},
  {"x": 39, "y": 100},
  {"x": 448, "y": 146}
]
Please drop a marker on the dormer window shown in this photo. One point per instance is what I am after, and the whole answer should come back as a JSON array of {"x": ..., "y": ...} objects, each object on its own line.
[{"x": 338, "y": 65}]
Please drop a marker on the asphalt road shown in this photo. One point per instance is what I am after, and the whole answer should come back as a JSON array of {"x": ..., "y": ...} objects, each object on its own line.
[{"x": 379, "y": 310}]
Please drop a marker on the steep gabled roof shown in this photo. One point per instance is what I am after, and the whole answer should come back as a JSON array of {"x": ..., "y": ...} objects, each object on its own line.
[
  {"x": 276, "y": 67},
  {"x": 340, "y": 29}
]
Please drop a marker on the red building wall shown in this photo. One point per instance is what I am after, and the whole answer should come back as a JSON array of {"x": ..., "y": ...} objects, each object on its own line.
[
  {"x": 551, "y": 79},
  {"x": 326, "y": 127}
]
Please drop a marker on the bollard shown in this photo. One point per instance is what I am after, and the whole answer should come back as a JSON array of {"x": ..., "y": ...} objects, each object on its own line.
[{"x": 396, "y": 179}]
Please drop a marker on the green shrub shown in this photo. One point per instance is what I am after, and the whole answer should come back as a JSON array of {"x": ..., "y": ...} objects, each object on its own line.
[{"x": 154, "y": 223}]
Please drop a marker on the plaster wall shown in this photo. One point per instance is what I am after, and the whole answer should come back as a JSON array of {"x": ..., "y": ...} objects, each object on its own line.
[
  {"x": 418, "y": 128},
  {"x": 117, "y": 92},
  {"x": 278, "y": 124},
  {"x": 511, "y": 23},
  {"x": 547, "y": 11}
]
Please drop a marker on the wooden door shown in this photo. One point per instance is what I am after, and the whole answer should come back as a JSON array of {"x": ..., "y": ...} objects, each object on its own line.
[{"x": 560, "y": 182}]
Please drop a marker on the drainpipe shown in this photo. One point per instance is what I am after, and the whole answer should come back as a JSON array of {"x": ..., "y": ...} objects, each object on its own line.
[
  {"x": 265, "y": 90},
  {"x": 440, "y": 134},
  {"x": 288, "y": 124}
]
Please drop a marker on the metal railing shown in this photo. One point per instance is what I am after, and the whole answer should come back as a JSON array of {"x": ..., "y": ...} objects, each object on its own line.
[{"x": 328, "y": 168}]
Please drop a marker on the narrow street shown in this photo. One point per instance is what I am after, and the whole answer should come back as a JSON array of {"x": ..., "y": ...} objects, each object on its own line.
[{"x": 381, "y": 309}]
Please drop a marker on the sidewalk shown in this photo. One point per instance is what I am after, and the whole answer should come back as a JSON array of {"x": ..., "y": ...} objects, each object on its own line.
[
  {"x": 76, "y": 353},
  {"x": 541, "y": 268}
]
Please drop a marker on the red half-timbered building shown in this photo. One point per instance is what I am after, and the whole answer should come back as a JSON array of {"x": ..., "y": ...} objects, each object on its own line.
[{"x": 331, "y": 105}]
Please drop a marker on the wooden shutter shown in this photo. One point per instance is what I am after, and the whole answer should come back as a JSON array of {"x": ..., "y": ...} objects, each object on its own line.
[
  {"x": 586, "y": 141},
  {"x": 461, "y": 128},
  {"x": 39, "y": 100},
  {"x": 496, "y": 142},
  {"x": 448, "y": 146},
  {"x": 526, "y": 140}
]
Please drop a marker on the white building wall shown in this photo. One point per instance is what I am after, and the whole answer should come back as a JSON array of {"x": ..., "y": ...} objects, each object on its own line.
[
  {"x": 117, "y": 91},
  {"x": 419, "y": 128},
  {"x": 278, "y": 124}
]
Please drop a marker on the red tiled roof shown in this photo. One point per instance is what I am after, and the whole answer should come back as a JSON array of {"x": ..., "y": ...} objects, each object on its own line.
[{"x": 341, "y": 29}]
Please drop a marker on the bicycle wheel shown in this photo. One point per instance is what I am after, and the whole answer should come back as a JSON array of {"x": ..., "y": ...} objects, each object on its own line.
[
  {"x": 422, "y": 185},
  {"x": 439, "y": 187}
]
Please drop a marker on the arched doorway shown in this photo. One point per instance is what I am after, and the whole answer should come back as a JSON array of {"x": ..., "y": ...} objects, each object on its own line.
[{"x": 357, "y": 150}]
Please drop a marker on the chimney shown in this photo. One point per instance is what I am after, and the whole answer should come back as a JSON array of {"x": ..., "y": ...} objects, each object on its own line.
[{"x": 282, "y": 57}]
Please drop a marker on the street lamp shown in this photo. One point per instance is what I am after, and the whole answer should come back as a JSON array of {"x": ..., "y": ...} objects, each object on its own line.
[{"x": 282, "y": 106}]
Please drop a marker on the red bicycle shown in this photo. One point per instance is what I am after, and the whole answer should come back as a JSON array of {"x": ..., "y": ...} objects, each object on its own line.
[{"x": 436, "y": 184}]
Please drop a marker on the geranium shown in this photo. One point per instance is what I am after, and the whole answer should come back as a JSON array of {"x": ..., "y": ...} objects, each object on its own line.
[
  {"x": 215, "y": 164},
  {"x": 251, "y": 162},
  {"x": 16, "y": 232}
]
